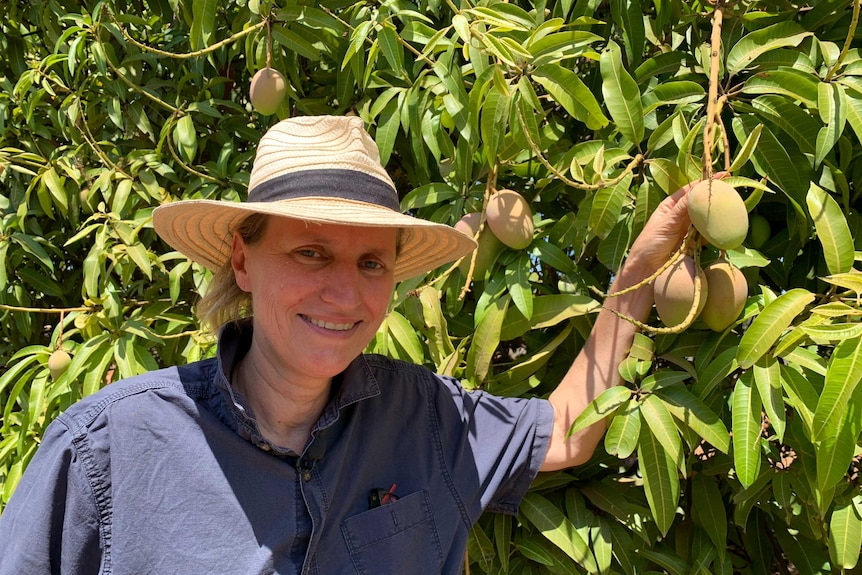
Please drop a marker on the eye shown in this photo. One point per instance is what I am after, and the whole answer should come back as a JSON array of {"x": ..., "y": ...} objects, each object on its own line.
[
  {"x": 372, "y": 265},
  {"x": 310, "y": 253}
]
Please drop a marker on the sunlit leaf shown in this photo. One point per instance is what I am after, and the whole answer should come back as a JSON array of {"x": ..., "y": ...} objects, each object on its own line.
[
  {"x": 622, "y": 96},
  {"x": 749, "y": 47},
  {"x": 551, "y": 523},
  {"x": 832, "y": 230},
  {"x": 768, "y": 326},
  {"x": 845, "y": 535},
  {"x": 746, "y": 429},
  {"x": 842, "y": 376}
]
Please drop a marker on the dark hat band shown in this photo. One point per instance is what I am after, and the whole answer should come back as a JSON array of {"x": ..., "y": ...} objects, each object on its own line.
[{"x": 344, "y": 184}]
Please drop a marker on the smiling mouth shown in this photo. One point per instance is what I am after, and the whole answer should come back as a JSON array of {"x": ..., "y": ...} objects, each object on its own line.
[{"x": 328, "y": 325}]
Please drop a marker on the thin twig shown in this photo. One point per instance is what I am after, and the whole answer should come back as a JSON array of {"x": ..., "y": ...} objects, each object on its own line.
[
  {"x": 712, "y": 101},
  {"x": 187, "y": 55},
  {"x": 848, "y": 42},
  {"x": 635, "y": 162}
]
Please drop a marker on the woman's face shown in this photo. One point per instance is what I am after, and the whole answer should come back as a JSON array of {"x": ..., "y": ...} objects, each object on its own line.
[{"x": 319, "y": 292}]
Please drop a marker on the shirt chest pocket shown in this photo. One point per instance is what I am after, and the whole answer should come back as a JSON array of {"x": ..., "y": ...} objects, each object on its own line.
[{"x": 395, "y": 538}]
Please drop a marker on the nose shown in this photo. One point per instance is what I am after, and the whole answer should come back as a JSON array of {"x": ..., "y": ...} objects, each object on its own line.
[{"x": 341, "y": 284}]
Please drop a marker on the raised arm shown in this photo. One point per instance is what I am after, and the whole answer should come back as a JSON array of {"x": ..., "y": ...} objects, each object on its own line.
[{"x": 595, "y": 369}]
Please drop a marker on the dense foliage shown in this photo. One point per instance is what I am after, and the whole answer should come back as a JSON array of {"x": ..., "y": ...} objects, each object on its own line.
[{"x": 726, "y": 452}]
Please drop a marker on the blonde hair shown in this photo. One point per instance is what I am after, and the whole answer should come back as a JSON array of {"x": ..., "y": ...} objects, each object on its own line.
[{"x": 224, "y": 301}]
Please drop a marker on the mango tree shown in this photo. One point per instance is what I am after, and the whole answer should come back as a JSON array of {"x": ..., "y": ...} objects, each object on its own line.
[{"x": 735, "y": 450}]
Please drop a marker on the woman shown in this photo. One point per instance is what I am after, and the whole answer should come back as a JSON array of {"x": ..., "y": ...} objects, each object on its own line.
[{"x": 291, "y": 451}]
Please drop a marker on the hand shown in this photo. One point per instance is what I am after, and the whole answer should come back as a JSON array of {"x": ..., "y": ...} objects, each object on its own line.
[{"x": 664, "y": 231}]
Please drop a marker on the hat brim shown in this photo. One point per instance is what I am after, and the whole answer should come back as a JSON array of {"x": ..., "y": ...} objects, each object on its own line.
[{"x": 202, "y": 229}]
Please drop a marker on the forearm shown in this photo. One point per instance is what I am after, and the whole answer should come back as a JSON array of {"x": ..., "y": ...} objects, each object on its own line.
[{"x": 596, "y": 369}]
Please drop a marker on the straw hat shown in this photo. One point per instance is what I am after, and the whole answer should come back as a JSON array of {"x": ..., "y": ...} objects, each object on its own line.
[{"x": 322, "y": 169}]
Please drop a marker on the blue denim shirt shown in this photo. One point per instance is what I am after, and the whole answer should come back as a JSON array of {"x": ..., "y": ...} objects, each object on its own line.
[{"x": 167, "y": 472}]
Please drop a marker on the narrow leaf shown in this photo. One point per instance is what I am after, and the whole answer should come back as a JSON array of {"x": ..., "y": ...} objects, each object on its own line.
[
  {"x": 842, "y": 376},
  {"x": 768, "y": 326},
  {"x": 661, "y": 481},
  {"x": 832, "y": 230},
  {"x": 622, "y": 96},
  {"x": 746, "y": 430}
]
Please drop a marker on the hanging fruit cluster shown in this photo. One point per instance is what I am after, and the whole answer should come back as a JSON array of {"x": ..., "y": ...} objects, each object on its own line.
[{"x": 717, "y": 293}]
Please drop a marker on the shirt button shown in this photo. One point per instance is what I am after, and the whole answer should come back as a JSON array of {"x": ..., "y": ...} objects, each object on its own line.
[{"x": 264, "y": 446}]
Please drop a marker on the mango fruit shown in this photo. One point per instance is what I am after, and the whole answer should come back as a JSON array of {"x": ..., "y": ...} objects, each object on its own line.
[
  {"x": 759, "y": 232},
  {"x": 58, "y": 363},
  {"x": 673, "y": 292},
  {"x": 726, "y": 296},
  {"x": 486, "y": 252},
  {"x": 717, "y": 211},
  {"x": 267, "y": 90},
  {"x": 510, "y": 218}
]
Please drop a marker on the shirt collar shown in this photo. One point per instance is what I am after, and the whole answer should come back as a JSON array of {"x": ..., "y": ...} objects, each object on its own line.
[{"x": 356, "y": 383}]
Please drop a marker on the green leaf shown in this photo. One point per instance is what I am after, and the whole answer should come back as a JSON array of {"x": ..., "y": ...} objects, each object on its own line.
[
  {"x": 284, "y": 36},
  {"x": 833, "y": 112},
  {"x": 845, "y": 534},
  {"x": 391, "y": 47},
  {"x": 800, "y": 394},
  {"x": 746, "y": 429},
  {"x": 601, "y": 407},
  {"x": 552, "y": 255},
  {"x": 548, "y": 310},
  {"x": 661, "y": 482},
  {"x": 55, "y": 185},
  {"x": 714, "y": 373},
  {"x": 749, "y": 47},
  {"x": 772, "y": 159},
  {"x": 768, "y": 326},
  {"x": 568, "y": 90},
  {"x": 621, "y": 438},
  {"x": 428, "y": 195},
  {"x": 203, "y": 22},
  {"x": 404, "y": 336},
  {"x": 832, "y": 230},
  {"x": 767, "y": 380},
  {"x": 486, "y": 340},
  {"x": 709, "y": 511},
  {"x": 842, "y": 376},
  {"x": 186, "y": 139},
  {"x": 660, "y": 422},
  {"x": 551, "y": 522},
  {"x": 696, "y": 415},
  {"x": 518, "y": 282},
  {"x": 622, "y": 96},
  {"x": 834, "y": 456},
  {"x": 607, "y": 206},
  {"x": 628, "y": 14},
  {"x": 746, "y": 150},
  {"x": 34, "y": 248},
  {"x": 795, "y": 84}
]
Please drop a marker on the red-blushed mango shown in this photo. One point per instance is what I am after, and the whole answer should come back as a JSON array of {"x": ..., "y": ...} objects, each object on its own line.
[
  {"x": 58, "y": 363},
  {"x": 728, "y": 291},
  {"x": 510, "y": 218},
  {"x": 267, "y": 91},
  {"x": 717, "y": 211},
  {"x": 486, "y": 252},
  {"x": 674, "y": 292}
]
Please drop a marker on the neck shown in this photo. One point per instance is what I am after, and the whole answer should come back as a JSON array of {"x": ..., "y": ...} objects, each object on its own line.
[{"x": 285, "y": 410}]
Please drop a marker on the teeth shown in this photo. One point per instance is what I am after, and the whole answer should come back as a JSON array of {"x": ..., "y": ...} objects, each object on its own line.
[{"x": 330, "y": 325}]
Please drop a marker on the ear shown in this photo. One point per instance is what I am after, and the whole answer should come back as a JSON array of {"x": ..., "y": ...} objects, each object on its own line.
[{"x": 238, "y": 263}]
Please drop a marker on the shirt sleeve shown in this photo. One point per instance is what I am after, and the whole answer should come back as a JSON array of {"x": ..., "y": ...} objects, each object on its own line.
[
  {"x": 501, "y": 441},
  {"x": 51, "y": 524}
]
